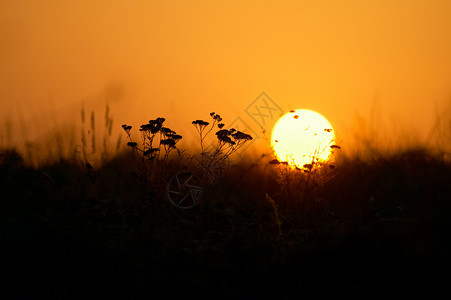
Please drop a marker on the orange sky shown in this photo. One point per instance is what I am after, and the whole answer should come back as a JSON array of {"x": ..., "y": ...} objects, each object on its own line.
[{"x": 183, "y": 59}]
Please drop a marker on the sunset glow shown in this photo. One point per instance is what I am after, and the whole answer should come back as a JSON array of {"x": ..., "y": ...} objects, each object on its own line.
[
  {"x": 232, "y": 149},
  {"x": 182, "y": 60}
]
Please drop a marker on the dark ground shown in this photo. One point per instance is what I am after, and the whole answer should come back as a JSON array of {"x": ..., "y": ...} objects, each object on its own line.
[{"x": 378, "y": 230}]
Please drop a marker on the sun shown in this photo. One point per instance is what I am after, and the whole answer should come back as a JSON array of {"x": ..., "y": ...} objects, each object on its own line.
[{"x": 301, "y": 137}]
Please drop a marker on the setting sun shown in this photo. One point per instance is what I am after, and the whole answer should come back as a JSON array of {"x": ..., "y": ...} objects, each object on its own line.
[{"x": 301, "y": 137}]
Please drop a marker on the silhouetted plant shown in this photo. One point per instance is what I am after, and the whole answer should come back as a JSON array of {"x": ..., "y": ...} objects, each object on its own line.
[
  {"x": 229, "y": 141},
  {"x": 203, "y": 130},
  {"x": 157, "y": 143},
  {"x": 153, "y": 133}
]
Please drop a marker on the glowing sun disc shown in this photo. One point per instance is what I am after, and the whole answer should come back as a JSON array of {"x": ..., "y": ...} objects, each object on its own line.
[{"x": 302, "y": 136}]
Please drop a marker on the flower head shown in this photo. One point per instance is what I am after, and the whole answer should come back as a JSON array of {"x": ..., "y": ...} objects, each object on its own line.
[
  {"x": 241, "y": 136},
  {"x": 217, "y": 118},
  {"x": 145, "y": 127},
  {"x": 150, "y": 151},
  {"x": 224, "y": 136},
  {"x": 160, "y": 120},
  {"x": 168, "y": 142},
  {"x": 155, "y": 125},
  {"x": 175, "y": 137},
  {"x": 127, "y": 128},
  {"x": 226, "y": 139},
  {"x": 166, "y": 131},
  {"x": 200, "y": 123}
]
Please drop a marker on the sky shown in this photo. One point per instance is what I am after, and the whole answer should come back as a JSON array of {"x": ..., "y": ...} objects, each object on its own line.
[{"x": 383, "y": 63}]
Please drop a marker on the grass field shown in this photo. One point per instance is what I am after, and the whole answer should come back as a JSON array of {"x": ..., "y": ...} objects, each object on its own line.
[{"x": 376, "y": 229}]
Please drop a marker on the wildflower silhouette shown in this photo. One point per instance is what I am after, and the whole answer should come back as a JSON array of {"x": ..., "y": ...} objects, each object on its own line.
[
  {"x": 167, "y": 140},
  {"x": 185, "y": 189},
  {"x": 158, "y": 142},
  {"x": 201, "y": 127},
  {"x": 229, "y": 141}
]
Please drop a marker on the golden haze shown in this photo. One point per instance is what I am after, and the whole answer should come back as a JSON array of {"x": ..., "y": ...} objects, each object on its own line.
[{"x": 184, "y": 59}]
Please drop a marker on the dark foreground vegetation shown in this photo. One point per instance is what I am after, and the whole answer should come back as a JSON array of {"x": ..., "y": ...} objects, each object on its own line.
[{"x": 372, "y": 230}]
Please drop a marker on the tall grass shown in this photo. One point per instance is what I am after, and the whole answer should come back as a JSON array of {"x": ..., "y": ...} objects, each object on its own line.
[
  {"x": 264, "y": 229},
  {"x": 88, "y": 151}
]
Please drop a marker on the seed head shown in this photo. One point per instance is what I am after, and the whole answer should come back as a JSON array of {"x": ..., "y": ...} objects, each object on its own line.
[
  {"x": 168, "y": 142},
  {"x": 224, "y": 136},
  {"x": 241, "y": 136},
  {"x": 217, "y": 118},
  {"x": 145, "y": 127},
  {"x": 166, "y": 131},
  {"x": 200, "y": 123},
  {"x": 150, "y": 151},
  {"x": 223, "y": 132},
  {"x": 226, "y": 139},
  {"x": 175, "y": 137}
]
